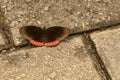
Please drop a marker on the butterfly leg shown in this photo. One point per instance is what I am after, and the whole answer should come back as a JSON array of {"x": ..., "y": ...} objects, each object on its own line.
[
  {"x": 35, "y": 43},
  {"x": 54, "y": 43}
]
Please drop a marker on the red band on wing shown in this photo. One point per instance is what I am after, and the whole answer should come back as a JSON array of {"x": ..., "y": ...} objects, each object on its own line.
[
  {"x": 48, "y": 44},
  {"x": 35, "y": 43},
  {"x": 54, "y": 43}
]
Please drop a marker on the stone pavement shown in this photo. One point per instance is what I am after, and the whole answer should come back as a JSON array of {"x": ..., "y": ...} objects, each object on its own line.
[{"x": 91, "y": 52}]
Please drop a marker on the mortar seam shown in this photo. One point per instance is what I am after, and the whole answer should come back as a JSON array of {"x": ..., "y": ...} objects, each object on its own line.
[
  {"x": 78, "y": 33},
  {"x": 98, "y": 62}
]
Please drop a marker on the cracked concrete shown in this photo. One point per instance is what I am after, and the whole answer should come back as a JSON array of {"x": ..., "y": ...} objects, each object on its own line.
[{"x": 74, "y": 58}]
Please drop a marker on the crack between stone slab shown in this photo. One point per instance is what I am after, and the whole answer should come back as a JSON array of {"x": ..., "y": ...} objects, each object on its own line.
[
  {"x": 6, "y": 32},
  {"x": 7, "y": 35},
  {"x": 97, "y": 61},
  {"x": 113, "y": 26},
  {"x": 11, "y": 42}
]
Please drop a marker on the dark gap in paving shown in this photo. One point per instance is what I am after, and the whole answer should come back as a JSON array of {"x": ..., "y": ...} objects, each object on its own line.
[
  {"x": 5, "y": 31},
  {"x": 28, "y": 45},
  {"x": 5, "y": 48},
  {"x": 97, "y": 61},
  {"x": 10, "y": 41},
  {"x": 113, "y": 26},
  {"x": 7, "y": 35},
  {"x": 10, "y": 49}
]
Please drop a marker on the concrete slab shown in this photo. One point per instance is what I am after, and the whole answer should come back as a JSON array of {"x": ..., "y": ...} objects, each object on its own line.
[
  {"x": 108, "y": 47},
  {"x": 67, "y": 61},
  {"x": 78, "y": 15}
]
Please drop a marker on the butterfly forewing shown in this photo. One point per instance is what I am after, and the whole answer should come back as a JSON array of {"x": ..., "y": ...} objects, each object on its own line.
[
  {"x": 44, "y": 35},
  {"x": 32, "y": 32},
  {"x": 56, "y": 33}
]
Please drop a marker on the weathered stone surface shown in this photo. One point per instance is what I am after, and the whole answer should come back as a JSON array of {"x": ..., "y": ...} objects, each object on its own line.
[
  {"x": 2, "y": 42},
  {"x": 78, "y": 15},
  {"x": 67, "y": 61},
  {"x": 1, "y": 23},
  {"x": 1, "y": 17},
  {"x": 108, "y": 47}
]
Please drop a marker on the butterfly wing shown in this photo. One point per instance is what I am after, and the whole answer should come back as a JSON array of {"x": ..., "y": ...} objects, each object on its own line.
[
  {"x": 32, "y": 33},
  {"x": 56, "y": 33},
  {"x": 48, "y": 37}
]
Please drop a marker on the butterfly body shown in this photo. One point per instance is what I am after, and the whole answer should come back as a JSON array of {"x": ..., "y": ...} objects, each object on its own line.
[{"x": 44, "y": 37}]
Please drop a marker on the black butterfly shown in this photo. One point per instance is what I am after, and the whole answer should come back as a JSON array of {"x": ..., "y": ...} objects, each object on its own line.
[{"x": 48, "y": 37}]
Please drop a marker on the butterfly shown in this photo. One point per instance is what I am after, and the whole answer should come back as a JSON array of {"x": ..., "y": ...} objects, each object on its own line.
[{"x": 44, "y": 37}]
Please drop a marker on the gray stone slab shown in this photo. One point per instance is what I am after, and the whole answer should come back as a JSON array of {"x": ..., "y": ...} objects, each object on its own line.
[
  {"x": 78, "y": 15},
  {"x": 67, "y": 61},
  {"x": 108, "y": 47}
]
